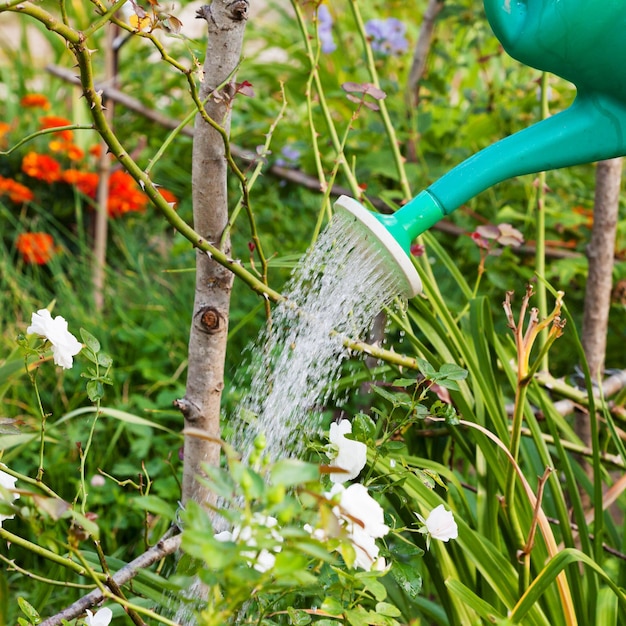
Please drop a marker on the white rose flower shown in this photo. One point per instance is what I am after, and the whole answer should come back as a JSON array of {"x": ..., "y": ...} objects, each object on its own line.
[
  {"x": 8, "y": 482},
  {"x": 64, "y": 344},
  {"x": 101, "y": 618},
  {"x": 365, "y": 549},
  {"x": 440, "y": 524},
  {"x": 357, "y": 507},
  {"x": 261, "y": 560},
  {"x": 351, "y": 455},
  {"x": 319, "y": 534},
  {"x": 363, "y": 519}
]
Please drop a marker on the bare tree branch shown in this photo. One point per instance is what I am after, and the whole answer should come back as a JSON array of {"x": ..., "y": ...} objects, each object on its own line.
[
  {"x": 575, "y": 397},
  {"x": 420, "y": 54},
  {"x": 101, "y": 224},
  {"x": 165, "y": 547}
]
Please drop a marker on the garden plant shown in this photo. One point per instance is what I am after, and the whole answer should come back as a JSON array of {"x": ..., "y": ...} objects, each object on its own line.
[{"x": 163, "y": 169}]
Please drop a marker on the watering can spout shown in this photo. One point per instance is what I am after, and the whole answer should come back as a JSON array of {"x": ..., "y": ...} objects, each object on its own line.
[
  {"x": 579, "y": 40},
  {"x": 592, "y": 129}
]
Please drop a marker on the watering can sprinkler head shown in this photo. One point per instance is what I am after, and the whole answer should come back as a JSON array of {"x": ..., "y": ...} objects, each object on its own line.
[
  {"x": 579, "y": 40},
  {"x": 383, "y": 240}
]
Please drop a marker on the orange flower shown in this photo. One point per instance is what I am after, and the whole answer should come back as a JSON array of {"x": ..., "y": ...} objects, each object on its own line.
[
  {"x": 42, "y": 167},
  {"x": 585, "y": 212},
  {"x": 35, "y": 101},
  {"x": 73, "y": 152},
  {"x": 4, "y": 129},
  {"x": 124, "y": 195},
  {"x": 85, "y": 182},
  {"x": 17, "y": 192},
  {"x": 169, "y": 196},
  {"x": 52, "y": 121},
  {"x": 35, "y": 248},
  {"x": 96, "y": 150}
]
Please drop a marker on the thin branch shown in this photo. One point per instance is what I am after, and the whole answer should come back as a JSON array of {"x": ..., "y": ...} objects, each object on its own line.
[
  {"x": 609, "y": 459},
  {"x": 574, "y": 397},
  {"x": 163, "y": 548},
  {"x": 422, "y": 47}
]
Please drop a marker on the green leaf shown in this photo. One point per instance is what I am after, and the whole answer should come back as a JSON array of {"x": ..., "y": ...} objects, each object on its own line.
[
  {"x": 332, "y": 605},
  {"x": 447, "y": 411},
  {"x": 483, "y": 608},
  {"x": 90, "y": 341},
  {"x": 104, "y": 360},
  {"x": 453, "y": 372},
  {"x": 394, "y": 446},
  {"x": 396, "y": 399},
  {"x": 362, "y": 617},
  {"x": 11, "y": 441},
  {"x": 317, "y": 551},
  {"x": 375, "y": 587},
  {"x": 289, "y": 472},
  {"x": 291, "y": 569},
  {"x": 123, "y": 416},
  {"x": 218, "y": 555},
  {"x": 363, "y": 427},
  {"x": 89, "y": 355},
  {"x": 389, "y": 610},
  {"x": 448, "y": 384},
  {"x": 95, "y": 390},
  {"x": 155, "y": 505},
  {"x": 425, "y": 477},
  {"x": 404, "y": 382},
  {"x": 250, "y": 482},
  {"x": 420, "y": 411},
  {"x": 28, "y": 610},
  {"x": 89, "y": 526},
  {"x": 548, "y": 575},
  {"x": 298, "y": 618},
  {"x": 12, "y": 369},
  {"x": 408, "y": 578},
  {"x": 426, "y": 368}
]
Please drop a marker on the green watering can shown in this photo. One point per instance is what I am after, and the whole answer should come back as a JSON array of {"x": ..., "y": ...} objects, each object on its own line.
[{"x": 583, "y": 41}]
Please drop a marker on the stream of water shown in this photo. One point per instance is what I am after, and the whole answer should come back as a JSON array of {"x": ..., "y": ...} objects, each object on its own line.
[{"x": 333, "y": 294}]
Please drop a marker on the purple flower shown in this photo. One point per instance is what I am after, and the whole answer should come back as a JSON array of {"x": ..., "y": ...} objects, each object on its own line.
[
  {"x": 324, "y": 30},
  {"x": 387, "y": 36},
  {"x": 290, "y": 157}
]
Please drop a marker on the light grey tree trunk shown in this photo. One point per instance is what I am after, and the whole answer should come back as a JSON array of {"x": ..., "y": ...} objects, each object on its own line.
[
  {"x": 226, "y": 22},
  {"x": 601, "y": 253}
]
